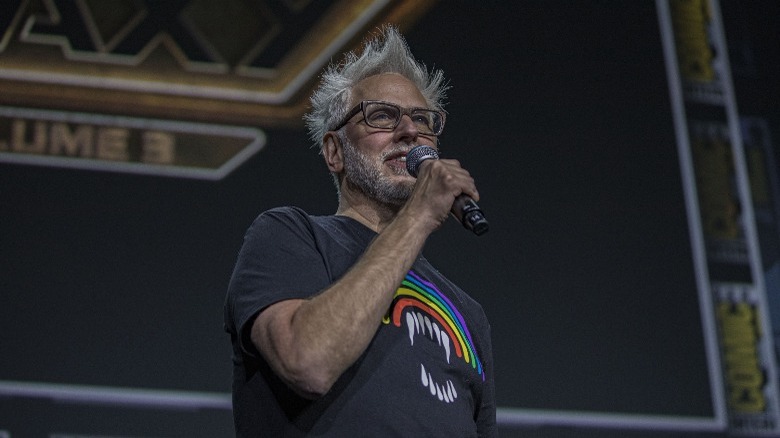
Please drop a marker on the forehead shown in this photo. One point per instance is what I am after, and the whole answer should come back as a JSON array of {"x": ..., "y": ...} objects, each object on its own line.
[{"x": 390, "y": 87}]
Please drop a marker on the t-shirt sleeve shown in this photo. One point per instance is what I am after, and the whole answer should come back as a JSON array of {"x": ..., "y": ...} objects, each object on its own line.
[{"x": 278, "y": 260}]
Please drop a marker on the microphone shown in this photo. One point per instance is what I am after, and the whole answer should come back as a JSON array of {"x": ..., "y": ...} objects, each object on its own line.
[{"x": 464, "y": 208}]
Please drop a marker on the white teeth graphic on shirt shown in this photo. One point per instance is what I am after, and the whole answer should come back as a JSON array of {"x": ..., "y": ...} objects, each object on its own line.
[
  {"x": 443, "y": 391},
  {"x": 419, "y": 324}
]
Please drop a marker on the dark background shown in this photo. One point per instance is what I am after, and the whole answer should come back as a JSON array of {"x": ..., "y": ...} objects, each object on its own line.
[{"x": 560, "y": 111}]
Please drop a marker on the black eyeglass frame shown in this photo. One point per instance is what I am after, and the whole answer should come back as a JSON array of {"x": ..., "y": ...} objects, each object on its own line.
[{"x": 402, "y": 111}]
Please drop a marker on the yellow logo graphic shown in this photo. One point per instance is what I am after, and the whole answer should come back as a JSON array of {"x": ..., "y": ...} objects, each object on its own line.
[
  {"x": 82, "y": 82},
  {"x": 246, "y": 62}
]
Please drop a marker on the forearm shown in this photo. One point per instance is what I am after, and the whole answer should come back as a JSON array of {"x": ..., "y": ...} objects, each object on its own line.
[{"x": 312, "y": 343}]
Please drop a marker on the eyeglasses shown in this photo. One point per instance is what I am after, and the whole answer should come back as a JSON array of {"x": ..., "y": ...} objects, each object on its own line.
[{"x": 386, "y": 115}]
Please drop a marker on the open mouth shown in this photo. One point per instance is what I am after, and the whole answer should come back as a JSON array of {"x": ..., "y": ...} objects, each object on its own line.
[{"x": 397, "y": 160}]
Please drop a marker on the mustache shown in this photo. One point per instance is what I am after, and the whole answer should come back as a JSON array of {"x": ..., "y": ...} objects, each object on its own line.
[{"x": 401, "y": 149}]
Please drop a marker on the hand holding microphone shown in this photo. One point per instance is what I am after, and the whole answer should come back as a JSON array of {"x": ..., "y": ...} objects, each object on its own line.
[{"x": 464, "y": 208}]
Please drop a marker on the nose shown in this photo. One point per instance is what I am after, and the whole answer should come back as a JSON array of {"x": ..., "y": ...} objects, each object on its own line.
[{"x": 406, "y": 128}]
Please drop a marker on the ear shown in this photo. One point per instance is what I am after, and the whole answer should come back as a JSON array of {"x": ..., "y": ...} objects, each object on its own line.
[{"x": 333, "y": 152}]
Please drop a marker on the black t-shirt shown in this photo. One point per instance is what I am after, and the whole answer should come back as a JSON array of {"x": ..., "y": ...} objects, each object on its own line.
[{"x": 427, "y": 372}]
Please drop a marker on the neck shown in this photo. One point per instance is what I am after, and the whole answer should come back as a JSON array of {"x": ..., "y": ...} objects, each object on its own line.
[{"x": 365, "y": 210}]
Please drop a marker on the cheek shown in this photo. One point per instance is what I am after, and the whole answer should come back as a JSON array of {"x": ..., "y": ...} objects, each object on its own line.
[{"x": 375, "y": 143}]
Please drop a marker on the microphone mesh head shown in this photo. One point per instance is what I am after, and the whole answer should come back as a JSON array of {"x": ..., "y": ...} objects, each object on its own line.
[{"x": 417, "y": 155}]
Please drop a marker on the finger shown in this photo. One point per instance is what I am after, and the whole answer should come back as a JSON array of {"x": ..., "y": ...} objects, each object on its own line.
[{"x": 458, "y": 178}]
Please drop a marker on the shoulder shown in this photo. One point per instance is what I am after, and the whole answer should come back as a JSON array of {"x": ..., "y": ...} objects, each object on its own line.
[
  {"x": 286, "y": 214},
  {"x": 278, "y": 220},
  {"x": 294, "y": 218}
]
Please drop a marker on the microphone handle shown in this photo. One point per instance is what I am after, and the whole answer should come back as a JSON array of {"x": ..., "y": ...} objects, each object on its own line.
[
  {"x": 464, "y": 209},
  {"x": 468, "y": 213}
]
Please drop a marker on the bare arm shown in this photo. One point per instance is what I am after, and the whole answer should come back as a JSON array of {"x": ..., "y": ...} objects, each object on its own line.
[{"x": 310, "y": 343}]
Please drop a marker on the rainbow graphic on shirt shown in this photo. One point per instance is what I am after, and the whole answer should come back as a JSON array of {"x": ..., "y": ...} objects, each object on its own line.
[{"x": 426, "y": 298}]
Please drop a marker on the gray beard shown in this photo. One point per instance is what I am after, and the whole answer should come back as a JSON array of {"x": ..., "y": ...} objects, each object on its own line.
[{"x": 365, "y": 176}]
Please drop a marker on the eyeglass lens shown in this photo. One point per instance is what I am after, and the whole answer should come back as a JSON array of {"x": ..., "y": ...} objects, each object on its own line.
[{"x": 384, "y": 115}]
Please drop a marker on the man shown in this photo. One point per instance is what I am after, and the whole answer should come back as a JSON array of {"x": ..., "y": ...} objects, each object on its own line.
[{"x": 340, "y": 327}]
